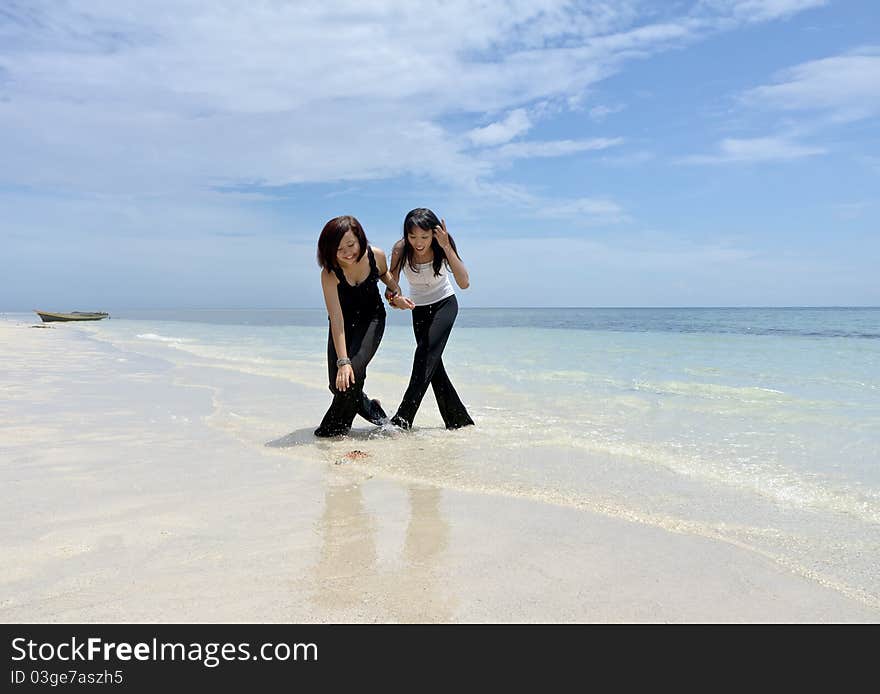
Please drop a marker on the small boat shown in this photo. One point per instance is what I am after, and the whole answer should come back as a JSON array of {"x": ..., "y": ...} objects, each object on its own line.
[{"x": 75, "y": 315}]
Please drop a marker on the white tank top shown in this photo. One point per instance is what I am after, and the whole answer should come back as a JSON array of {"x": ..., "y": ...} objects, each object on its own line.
[{"x": 424, "y": 287}]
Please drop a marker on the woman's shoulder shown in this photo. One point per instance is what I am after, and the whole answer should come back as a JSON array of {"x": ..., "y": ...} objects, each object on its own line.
[
  {"x": 398, "y": 247},
  {"x": 379, "y": 259},
  {"x": 329, "y": 276}
]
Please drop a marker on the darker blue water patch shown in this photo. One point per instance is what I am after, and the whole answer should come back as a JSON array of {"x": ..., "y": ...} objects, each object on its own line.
[{"x": 856, "y": 323}]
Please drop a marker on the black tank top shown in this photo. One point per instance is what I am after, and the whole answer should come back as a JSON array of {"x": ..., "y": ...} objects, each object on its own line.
[{"x": 362, "y": 300}]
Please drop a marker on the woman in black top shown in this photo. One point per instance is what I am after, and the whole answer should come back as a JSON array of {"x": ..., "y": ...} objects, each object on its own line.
[{"x": 349, "y": 276}]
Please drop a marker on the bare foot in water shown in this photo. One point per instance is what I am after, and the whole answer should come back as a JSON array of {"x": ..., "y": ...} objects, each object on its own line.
[{"x": 377, "y": 414}]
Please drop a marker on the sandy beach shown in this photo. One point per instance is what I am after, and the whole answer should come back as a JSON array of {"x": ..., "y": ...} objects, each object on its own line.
[{"x": 124, "y": 501}]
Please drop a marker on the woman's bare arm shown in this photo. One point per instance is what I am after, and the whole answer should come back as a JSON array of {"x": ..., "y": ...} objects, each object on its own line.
[
  {"x": 459, "y": 271},
  {"x": 329, "y": 283},
  {"x": 391, "y": 277}
]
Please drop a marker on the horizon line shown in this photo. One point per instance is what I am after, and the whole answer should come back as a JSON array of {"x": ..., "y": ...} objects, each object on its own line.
[{"x": 495, "y": 308}]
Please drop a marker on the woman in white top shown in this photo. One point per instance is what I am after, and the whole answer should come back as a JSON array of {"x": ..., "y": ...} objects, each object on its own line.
[{"x": 427, "y": 254}]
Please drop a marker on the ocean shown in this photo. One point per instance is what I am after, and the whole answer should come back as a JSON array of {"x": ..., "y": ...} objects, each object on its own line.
[{"x": 757, "y": 427}]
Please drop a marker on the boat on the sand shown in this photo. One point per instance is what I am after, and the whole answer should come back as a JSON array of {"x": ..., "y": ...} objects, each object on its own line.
[{"x": 73, "y": 316}]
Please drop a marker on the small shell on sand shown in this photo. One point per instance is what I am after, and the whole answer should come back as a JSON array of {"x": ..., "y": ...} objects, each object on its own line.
[{"x": 352, "y": 456}]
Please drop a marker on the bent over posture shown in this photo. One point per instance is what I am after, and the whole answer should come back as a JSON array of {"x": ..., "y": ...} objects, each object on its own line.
[{"x": 350, "y": 270}]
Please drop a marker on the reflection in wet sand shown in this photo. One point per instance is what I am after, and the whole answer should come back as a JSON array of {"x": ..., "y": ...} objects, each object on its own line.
[
  {"x": 421, "y": 579},
  {"x": 347, "y": 565},
  {"x": 348, "y": 578},
  {"x": 428, "y": 532}
]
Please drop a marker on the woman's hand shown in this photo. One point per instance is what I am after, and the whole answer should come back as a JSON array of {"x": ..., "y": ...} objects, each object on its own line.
[
  {"x": 455, "y": 264},
  {"x": 442, "y": 236},
  {"x": 344, "y": 377},
  {"x": 397, "y": 300},
  {"x": 401, "y": 302}
]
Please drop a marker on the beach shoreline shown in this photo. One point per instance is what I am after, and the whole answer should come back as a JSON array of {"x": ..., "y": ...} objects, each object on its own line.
[{"x": 125, "y": 502}]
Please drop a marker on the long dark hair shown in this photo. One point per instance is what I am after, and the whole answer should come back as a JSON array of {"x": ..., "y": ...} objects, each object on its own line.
[
  {"x": 331, "y": 236},
  {"x": 423, "y": 218}
]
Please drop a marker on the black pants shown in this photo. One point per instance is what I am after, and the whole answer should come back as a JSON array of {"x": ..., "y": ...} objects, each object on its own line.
[
  {"x": 362, "y": 339},
  {"x": 432, "y": 325}
]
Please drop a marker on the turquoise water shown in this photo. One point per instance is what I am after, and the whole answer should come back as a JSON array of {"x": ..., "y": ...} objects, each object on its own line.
[{"x": 759, "y": 427}]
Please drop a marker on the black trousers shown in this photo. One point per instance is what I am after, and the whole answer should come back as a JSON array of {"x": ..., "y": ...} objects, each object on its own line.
[
  {"x": 362, "y": 339},
  {"x": 432, "y": 325}
]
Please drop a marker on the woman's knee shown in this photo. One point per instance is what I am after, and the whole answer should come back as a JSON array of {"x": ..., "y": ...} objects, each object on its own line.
[{"x": 353, "y": 391}]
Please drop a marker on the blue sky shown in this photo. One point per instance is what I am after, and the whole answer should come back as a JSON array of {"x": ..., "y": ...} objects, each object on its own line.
[{"x": 676, "y": 153}]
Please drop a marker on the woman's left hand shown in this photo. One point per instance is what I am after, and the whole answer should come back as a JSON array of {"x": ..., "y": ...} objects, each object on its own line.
[
  {"x": 344, "y": 377},
  {"x": 442, "y": 235}
]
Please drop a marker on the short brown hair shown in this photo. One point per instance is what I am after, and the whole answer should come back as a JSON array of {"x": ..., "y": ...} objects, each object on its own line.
[{"x": 331, "y": 237}]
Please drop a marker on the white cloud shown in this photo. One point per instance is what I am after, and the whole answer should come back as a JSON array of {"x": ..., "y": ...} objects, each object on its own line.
[
  {"x": 624, "y": 270},
  {"x": 516, "y": 123},
  {"x": 846, "y": 85},
  {"x": 634, "y": 158},
  {"x": 554, "y": 148},
  {"x": 584, "y": 211},
  {"x": 764, "y": 10},
  {"x": 754, "y": 150},
  {"x": 170, "y": 95},
  {"x": 761, "y": 10},
  {"x": 601, "y": 112}
]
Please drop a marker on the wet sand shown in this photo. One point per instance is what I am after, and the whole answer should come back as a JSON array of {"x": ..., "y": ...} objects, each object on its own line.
[{"x": 124, "y": 502}]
